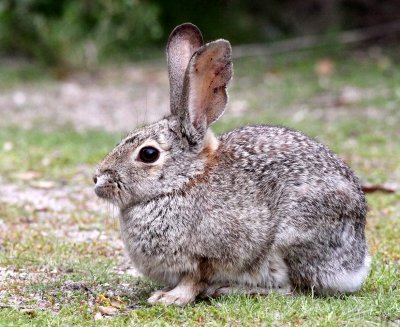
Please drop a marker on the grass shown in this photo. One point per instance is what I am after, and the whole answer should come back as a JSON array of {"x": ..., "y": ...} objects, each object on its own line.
[
  {"x": 55, "y": 155},
  {"x": 13, "y": 72},
  {"x": 49, "y": 278}
]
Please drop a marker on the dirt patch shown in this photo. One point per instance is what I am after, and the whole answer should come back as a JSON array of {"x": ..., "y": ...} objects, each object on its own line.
[
  {"x": 114, "y": 100},
  {"x": 91, "y": 102}
]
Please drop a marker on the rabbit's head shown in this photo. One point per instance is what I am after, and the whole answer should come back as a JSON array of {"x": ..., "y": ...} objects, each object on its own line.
[{"x": 159, "y": 159}]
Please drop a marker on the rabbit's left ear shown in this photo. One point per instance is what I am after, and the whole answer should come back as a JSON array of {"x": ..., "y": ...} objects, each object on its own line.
[
  {"x": 204, "y": 96},
  {"x": 184, "y": 40}
]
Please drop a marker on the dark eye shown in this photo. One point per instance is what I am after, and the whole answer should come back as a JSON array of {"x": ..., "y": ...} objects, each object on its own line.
[{"x": 148, "y": 154}]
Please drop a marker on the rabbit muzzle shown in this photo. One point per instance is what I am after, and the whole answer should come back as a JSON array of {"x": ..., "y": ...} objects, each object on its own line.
[{"x": 105, "y": 187}]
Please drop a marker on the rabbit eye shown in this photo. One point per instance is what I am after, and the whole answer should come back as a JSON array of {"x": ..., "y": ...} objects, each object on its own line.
[{"x": 149, "y": 154}]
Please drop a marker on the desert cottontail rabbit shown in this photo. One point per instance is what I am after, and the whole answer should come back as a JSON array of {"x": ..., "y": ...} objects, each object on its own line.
[{"x": 257, "y": 209}]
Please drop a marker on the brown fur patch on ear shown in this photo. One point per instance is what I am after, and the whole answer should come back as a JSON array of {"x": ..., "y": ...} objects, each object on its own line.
[{"x": 210, "y": 70}]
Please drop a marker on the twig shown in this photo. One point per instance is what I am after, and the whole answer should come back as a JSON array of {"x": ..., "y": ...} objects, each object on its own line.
[
  {"x": 370, "y": 188},
  {"x": 313, "y": 41}
]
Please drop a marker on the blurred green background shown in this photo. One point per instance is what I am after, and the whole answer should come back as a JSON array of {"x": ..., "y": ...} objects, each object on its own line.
[{"x": 84, "y": 33}]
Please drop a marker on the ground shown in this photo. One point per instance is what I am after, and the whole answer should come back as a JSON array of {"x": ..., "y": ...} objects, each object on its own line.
[{"x": 61, "y": 258}]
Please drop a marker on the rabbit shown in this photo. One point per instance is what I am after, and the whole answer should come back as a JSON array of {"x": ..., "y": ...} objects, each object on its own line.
[{"x": 255, "y": 210}]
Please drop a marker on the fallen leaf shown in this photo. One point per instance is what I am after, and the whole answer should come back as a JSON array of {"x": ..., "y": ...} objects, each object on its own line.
[
  {"x": 117, "y": 303},
  {"x": 102, "y": 299},
  {"x": 324, "y": 67},
  {"x": 109, "y": 311}
]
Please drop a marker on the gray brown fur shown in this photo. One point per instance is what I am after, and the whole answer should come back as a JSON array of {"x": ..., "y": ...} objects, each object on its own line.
[{"x": 257, "y": 209}]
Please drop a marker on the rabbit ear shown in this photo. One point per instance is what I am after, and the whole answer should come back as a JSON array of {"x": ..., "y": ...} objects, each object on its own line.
[
  {"x": 204, "y": 96},
  {"x": 184, "y": 40}
]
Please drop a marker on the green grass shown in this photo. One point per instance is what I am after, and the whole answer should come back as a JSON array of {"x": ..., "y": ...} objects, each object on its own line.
[
  {"x": 52, "y": 154},
  {"x": 275, "y": 92},
  {"x": 13, "y": 73}
]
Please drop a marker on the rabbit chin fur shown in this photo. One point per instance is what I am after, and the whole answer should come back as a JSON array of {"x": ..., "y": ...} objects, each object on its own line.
[{"x": 257, "y": 209}]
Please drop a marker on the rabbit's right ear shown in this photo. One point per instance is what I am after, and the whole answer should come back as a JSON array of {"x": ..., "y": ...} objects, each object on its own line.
[{"x": 184, "y": 40}]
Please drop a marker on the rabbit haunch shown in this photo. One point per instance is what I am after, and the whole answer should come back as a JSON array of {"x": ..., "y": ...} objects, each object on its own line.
[{"x": 257, "y": 209}]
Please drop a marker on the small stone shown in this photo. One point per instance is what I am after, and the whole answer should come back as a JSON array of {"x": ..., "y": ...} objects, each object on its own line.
[
  {"x": 98, "y": 316},
  {"x": 19, "y": 98},
  {"x": 8, "y": 146}
]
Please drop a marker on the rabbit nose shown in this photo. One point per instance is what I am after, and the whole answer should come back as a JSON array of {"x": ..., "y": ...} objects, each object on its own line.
[{"x": 95, "y": 179}]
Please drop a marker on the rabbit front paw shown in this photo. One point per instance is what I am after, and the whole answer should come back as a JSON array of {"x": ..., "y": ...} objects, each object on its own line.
[{"x": 177, "y": 296}]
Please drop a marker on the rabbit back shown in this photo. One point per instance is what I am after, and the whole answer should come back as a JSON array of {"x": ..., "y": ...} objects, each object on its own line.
[{"x": 316, "y": 205}]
